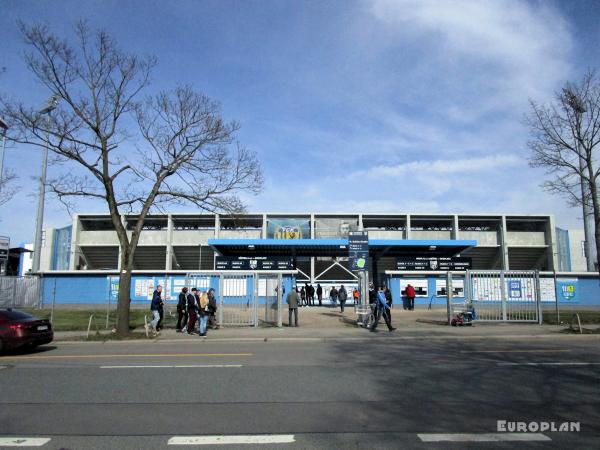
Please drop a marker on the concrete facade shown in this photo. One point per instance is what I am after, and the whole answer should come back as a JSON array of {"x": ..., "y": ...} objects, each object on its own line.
[{"x": 178, "y": 241}]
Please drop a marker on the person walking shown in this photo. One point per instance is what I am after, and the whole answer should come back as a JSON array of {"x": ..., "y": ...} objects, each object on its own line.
[
  {"x": 382, "y": 309},
  {"x": 311, "y": 295},
  {"x": 356, "y": 296},
  {"x": 333, "y": 296},
  {"x": 292, "y": 301},
  {"x": 182, "y": 316},
  {"x": 410, "y": 295},
  {"x": 192, "y": 308},
  {"x": 302, "y": 296},
  {"x": 389, "y": 300},
  {"x": 342, "y": 296},
  {"x": 320, "y": 294},
  {"x": 204, "y": 313},
  {"x": 212, "y": 303},
  {"x": 372, "y": 294},
  {"x": 155, "y": 308}
]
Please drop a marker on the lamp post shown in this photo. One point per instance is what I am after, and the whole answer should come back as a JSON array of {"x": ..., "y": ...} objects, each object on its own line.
[
  {"x": 50, "y": 106},
  {"x": 590, "y": 249}
]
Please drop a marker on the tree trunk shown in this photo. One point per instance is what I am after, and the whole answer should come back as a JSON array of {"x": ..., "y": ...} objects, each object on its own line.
[
  {"x": 124, "y": 296},
  {"x": 596, "y": 209}
]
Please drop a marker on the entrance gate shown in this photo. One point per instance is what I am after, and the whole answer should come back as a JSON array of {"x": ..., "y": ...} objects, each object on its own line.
[
  {"x": 507, "y": 296},
  {"x": 243, "y": 298}
]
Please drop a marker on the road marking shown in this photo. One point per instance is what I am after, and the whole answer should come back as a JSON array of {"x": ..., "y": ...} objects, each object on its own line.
[
  {"x": 548, "y": 364},
  {"x": 148, "y": 355},
  {"x": 482, "y": 437},
  {"x": 22, "y": 442},
  {"x": 233, "y": 440},
  {"x": 188, "y": 366},
  {"x": 3, "y": 367},
  {"x": 517, "y": 351}
]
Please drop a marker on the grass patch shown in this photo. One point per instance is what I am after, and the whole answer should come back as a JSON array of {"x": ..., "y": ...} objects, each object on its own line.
[
  {"x": 78, "y": 319},
  {"x": 587, "y": 317}
]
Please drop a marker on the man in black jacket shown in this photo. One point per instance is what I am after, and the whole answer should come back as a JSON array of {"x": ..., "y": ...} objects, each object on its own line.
[
  {"x": 320, "y": 294},
  {"x": 182, "y": 315},
  {"x": 192, "y": 309}
]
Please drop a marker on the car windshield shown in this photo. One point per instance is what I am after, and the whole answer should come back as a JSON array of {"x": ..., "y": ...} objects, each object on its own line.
[{"x": 14, "y": 314}]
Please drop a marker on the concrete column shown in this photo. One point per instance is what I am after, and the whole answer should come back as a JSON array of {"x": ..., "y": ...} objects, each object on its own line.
[
  {"x": 74, "y": 252},
  {"x": 312, "y": 226},
  {"x": 264, "y": 227},
  {"x": 504, "y": 245},
  {"x": 360, "y": 223},
  {"x": 169, "y": 261},
  {"x": 217, "y": 226},
  {"x": 455, "y": 229},
  {"x": 407, "y": 234},
  {"x": 551, "y": 243}
]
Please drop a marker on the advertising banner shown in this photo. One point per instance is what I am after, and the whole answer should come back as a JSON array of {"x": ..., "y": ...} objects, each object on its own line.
[
  {"x": 567, "y": 290},
  {"x": 288, "y": 228},
  {"x": 358, "y": 250},
  {"x": 432, "y": 263}
]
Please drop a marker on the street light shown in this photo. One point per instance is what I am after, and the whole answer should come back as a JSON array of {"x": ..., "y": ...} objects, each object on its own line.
[
  {"x": 579, "y": 108},
  {"x": 46, "y": 110}
]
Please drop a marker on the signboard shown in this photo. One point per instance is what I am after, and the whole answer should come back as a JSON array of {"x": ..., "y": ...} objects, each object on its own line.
[
  {"x": 547, "y": 290},
  {"x": 358, "y": 250},
  {"x": 4, "y": 247},
  {"x": 253, "y": 263},
  {"x": 426, "y": 263},
  {"x": 514, "y": 289},
  {"x": 567, "y": 290}
]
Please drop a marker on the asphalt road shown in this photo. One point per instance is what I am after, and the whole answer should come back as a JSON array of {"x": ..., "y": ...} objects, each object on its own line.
[{"x": 373, "y": 393}]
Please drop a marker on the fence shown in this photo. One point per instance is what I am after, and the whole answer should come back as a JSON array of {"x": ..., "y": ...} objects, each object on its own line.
[
  {"x": 20, "y": 292},
  {"x": 507, "y": 296},
  {"x": 244, "y": 299}
]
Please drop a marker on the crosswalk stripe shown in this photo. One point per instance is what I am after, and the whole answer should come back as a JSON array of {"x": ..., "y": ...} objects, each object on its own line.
[
  {"x": 233, "y": 440},
  {"x": 482, "y": 437},
  {"x": 22, "y": 442}
]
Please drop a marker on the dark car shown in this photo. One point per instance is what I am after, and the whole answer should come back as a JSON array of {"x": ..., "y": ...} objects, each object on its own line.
[{"x": 19, "y": 329}]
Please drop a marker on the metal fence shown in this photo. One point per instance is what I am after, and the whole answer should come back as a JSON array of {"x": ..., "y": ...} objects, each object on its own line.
[
  {"x": 243, "y": 299},
  {"x": 508, "y": 296},
  {"x": 20, "y": 292}
]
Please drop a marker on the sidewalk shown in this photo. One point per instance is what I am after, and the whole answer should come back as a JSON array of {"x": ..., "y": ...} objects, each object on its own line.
[{"x": 329, "y": 324}]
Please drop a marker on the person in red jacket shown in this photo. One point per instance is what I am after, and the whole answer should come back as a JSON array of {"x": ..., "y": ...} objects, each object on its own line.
[{"x": 410, "y": 295}]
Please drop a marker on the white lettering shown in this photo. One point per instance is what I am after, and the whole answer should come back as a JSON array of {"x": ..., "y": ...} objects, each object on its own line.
[
  {"x": 544, "y": 426},
  {"x": 522, "y": 426},
  {"x": 501, "y": 425},
  {"x": 533, "y": 427},
  {"x": 576, "y": 426}
]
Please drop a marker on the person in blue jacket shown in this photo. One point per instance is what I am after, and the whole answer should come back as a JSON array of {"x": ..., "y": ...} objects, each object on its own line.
[
  {"x": 155, "y": 308},
  {"x": 382, "y": 309}
]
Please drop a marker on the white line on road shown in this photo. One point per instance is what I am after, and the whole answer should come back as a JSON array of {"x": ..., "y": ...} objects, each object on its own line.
[
  {"x": 22, "y": 442},
  {"x": 186, "y": 366},
  {"x": 482, "y": 437},
  {"x": 549, "y": 364},
  {"x": 233, "y": 440}
]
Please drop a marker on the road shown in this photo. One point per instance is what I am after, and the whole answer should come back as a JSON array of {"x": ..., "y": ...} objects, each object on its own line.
[{"x": 378, "y": 392}]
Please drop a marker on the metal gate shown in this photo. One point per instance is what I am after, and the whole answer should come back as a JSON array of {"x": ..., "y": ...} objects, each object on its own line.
[
  {"x": 243, "y": 299},
  {"x": 20, "y": 292},
  {"x": 269, "y": 294},
  {"x": 508, "y": 296}
]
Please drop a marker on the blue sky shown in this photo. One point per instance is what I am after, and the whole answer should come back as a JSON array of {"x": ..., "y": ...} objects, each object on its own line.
[{"x": 375, "y": 105}]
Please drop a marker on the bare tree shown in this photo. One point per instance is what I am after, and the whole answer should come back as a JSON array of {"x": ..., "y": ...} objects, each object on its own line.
[
  {"x": 565, "y": 138},
  {"x": 133, "y": 154},
  {"x": 7, "y": 187}
]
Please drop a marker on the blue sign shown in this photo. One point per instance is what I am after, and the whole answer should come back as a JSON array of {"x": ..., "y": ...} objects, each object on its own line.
[
  {"x": 514, "y": 289},
  {"x": 567, "y": 290}
]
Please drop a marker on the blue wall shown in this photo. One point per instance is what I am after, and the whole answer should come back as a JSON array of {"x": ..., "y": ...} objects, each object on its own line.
[
  {"x": 96, "y": 289},
  {"x": 585, "y": 292}
]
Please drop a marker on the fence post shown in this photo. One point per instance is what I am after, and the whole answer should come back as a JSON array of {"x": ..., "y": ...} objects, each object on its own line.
[
  {"x": 53, "y": 303},
  {"x": 503, "y": 295},
  {"x": 14, "y": 295},
  {"x": 256, "y": 298},
  {"x": 279, "y": 300},
  {"x": 220, "y": 299},
  {"x": 449, "y": 296},
  {"x": 538, "y": 295},
  {"x": 556, "y": 302}
]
